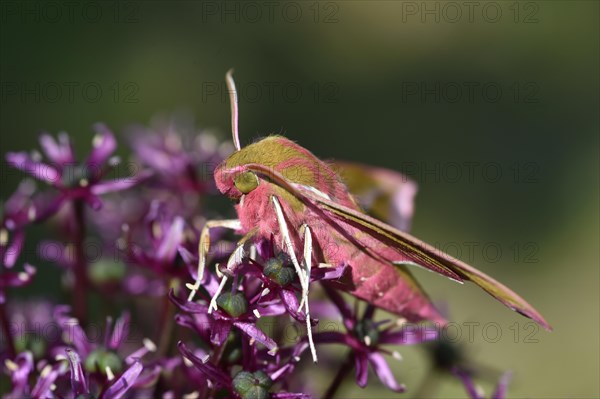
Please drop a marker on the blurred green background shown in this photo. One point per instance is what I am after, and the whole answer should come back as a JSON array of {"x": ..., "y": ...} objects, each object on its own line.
[{"x": 493, "y": 108}]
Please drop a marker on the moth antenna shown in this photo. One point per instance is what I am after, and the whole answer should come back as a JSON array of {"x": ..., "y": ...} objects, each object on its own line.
[{"x": 234, "y": 109}]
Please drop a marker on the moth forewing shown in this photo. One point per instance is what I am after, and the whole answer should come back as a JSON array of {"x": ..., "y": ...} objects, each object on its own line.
[{"x": 421, "y": 253}]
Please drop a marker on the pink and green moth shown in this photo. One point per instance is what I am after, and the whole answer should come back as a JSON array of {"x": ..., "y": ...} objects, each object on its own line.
[{"x": 284, "y": 191}]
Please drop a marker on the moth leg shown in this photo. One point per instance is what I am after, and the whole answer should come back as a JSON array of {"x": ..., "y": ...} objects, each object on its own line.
[
  {"x": 303, "y": 276},
  {"x": 307, "y": 257},
  {"x": 203, "y": 247},
  {"x": 232, "y": 263},
  {"x": 307, "y": 264},
  {"x": 213, "y": 300},
  {"x": 287, "y": 242}
]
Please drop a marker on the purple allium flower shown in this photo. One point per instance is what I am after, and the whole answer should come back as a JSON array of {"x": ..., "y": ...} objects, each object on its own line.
[
  {"x": 15, "y": 214},
  {"x": 234, "y": 331},
  {"x": 161, "y": 238},
  {"x": 21, "y": 371},
  {"x": 364, "y": 337},
  {"x": 234, "y": 311},
  {"x": 14, "y": 218},
  {"x": 112, "y": 388},
  {"x": 183, "y": 157},
  {"x": 10, "y": 279},
  {"x": 18, "y": 370},
  {"x": 33, "y": 328},
  {"x": 72, "y": 178},
  {"x": 93, "y": 363},
  {"x": 100, "y": 356},
  {"x": 255, "y": 384}
]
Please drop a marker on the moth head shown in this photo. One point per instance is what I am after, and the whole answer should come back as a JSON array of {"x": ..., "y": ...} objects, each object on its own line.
[{"x": 232, "y": 177}]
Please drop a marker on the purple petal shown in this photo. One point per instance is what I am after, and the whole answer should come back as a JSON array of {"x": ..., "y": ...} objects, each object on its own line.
[
  {"x": 59, "y": 153},
  {"x": 188, "y": 257},
  {"x": 120, "y": 331},
  {"x": 158, "y": 152},
  {"x": 93, "y": 201},
  {"x": 55, "y": 252},
  {"x": 272, "y": 309},
  {"x": 187, "y": 321},
  {"x": 382, "y": 369},
  {"x": 148, "y": 379},
  {"x": 333, "y": 337},
  {"x": 217, "y": 376},
  {"x": 124, "y": 183},
  {"x": 327, "y": 273},
  {"x": 147, "y": 346},
  {"x": 47, "y": 205},
  {"x": 44, "y": 382},
  {"x": 20, "y": 375},
  {"x": 12, "y": 252},
  {"x": 468, "y": 383},
  {"x": 19, "y": 200},
  {"x": 256, "y": 333},
  {"x": 409, "y": 335},
  {"x": 171, "y": 240},
  {"x": 362, "y": 369},
  {"x": 39, "y": 170},
  {"x": 219, "y": 332},
  {"x": 290, "y": 301},
  {"x": 501, "y": 388},
  {"x": 283, "y": 371},
  {"x": 120, "y": 387},
  {"x": 104, "y": 144},
  {"x": 290, "y": 304},
  {"x": 186, "y": 306},
  {"x": 72, "y": 332},
  {"x": 78, "y": 381},
  {"x": 17, "y": 279}
]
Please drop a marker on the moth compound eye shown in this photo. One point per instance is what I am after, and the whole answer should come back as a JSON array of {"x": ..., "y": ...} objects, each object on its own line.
[{"x": 246, "y": 182}]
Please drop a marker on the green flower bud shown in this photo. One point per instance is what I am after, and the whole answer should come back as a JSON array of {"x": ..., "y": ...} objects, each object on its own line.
[
  {"x": 100, "y": 358},
  {"x": 276, "y": 271},
  {"x": 446, "y": 353},
  {"x": 367, "y": 331},
  {"x": 252, "y": 385},
  {"x": 234, "y": 304}
]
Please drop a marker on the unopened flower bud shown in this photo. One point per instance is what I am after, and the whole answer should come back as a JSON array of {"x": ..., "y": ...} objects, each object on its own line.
[
  {"x": 276, "y": 271},
  {"x": 98, "y": 360},
  {"x": 252, "y": 385},
  {"x": 234, "y": 304}
]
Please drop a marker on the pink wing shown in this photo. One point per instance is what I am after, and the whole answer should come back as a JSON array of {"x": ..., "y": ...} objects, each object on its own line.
[{"x": 407, "y": 246}]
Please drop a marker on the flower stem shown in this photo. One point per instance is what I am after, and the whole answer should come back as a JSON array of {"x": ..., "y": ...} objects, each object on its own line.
[
  {"x": 81, "y": 281},
  {"x": 343, "y": 371},
  {"x": 10, "y": 343},
  {"x": 166, "y": 322}
]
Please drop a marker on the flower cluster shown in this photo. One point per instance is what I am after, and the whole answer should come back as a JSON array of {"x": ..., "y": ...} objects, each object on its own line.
[{"x": 124, "y": 239}]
